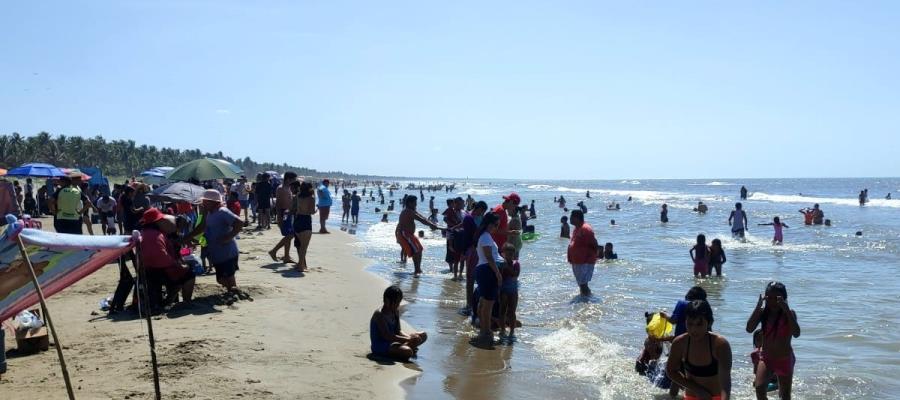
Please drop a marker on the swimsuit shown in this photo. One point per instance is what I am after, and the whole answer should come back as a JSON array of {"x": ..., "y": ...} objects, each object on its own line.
[
  {"x": 409, "y": 243},
  {"x": 703, "y": 371},
  {"x": 782, "y": 366},
  {"x": 380, "y": 346},
  {"x": 779, "y": 236}
]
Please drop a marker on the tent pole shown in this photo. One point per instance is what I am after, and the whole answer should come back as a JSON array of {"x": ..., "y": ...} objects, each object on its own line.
[
  {"x": 145, "y": 308},
  {"x": 46, "y": 311}
]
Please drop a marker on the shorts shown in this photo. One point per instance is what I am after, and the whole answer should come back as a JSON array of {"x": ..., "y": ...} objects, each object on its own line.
[
  {"x": 779, "y": 366},
  {"x": 71, "y": 226},
  {"x": 510, "y": 286},
  {"x": 583, "y": 273},
  {"x": 739, "y": 232},
  {"x": 226, "y": 269},
  {"x": 204, "y": 252},
  {"x": 302, "y": 223},
  {"x": 409, "y": 244},
  {"x": 354, "y": 211},
  {"x": 689, "y": 397},
  {"x": 287, "y": 225},
  {"x": 264, "y": 205},
  {"x": 245, "y": 204},
  {"x": 701, "y": 267},
  {"x": 487, "y": 282},
  {"x": 778, "y": 238},
  {"x": 178, "y": 275}
]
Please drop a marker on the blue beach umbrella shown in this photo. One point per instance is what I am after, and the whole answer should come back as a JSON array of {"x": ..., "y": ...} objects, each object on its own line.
[{"x": 37, "y": 170}]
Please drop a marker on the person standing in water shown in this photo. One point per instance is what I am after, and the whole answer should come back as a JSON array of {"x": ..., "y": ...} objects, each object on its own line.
[
  {"x": 738, "y": 221},
  {"x": 743, "y": 193},
  {"x": 779, "y": 326},
  {"x": 700, "y": 256},
  {"x": 406, "y": 232},
  {"x": 583, "y": 251},
  {"x": 324, "y": 204},
  {"x": 700, "y": 360},
  {"x": 778, "y": 225},
  {"x": 664, "y": 214},
  {"x": 532, "y": 213}
]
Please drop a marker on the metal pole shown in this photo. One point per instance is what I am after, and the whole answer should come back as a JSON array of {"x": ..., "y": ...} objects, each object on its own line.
[{"x": 40, "y": 293}]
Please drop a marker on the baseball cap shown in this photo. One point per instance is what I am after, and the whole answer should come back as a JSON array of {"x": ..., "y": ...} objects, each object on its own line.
[
  {"x": 152, "y": 215},
  {"x": 513, "y": 197}
]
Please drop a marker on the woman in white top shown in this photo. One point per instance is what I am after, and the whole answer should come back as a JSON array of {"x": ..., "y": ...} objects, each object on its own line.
[{"x": 488, "y": 278}]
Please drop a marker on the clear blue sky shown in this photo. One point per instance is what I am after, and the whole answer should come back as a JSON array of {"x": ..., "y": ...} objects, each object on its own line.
[{"x": 481, "y": 89}]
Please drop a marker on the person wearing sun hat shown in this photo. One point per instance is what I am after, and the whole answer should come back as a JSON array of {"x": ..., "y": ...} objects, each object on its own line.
[
  {"x": 159, "y": 255},
  {"x": 510, "y": 203},
  {"x": 220, "y": 226}
]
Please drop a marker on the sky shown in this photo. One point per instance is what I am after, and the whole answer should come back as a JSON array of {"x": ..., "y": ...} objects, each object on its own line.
[{"x": 518, "y": 89}]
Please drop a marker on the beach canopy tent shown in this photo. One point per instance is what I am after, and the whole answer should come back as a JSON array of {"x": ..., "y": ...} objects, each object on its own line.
[
  {"x": 59, "y": 260},
  {"x": 35, "y": 264},
  {"x": 178, "y": 191},
  {"x": 38, "y": 170},
  {"x": 204, "y": 169},
  {"x": 96, "y": 175},
  {"x": 156, "y": 175}
]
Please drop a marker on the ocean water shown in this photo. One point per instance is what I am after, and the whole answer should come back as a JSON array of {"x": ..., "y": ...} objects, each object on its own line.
[{"x": 844, "y": 288}]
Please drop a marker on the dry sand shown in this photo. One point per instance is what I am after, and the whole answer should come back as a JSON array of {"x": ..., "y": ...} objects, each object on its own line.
[{"x": 303, "y": 336}]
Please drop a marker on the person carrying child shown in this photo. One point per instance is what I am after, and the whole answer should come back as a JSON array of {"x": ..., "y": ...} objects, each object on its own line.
[{"x": 387, "y": 339}]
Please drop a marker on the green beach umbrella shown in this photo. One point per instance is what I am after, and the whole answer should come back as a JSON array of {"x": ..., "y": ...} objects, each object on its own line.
[{"x": 204, "y": 169}]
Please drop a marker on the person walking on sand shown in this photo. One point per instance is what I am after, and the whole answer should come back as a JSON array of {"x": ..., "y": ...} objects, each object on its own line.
[
  {"x": 324, "y": 204},
  {"x": 243, "y": 193},
  {"x": 583, "y": 251},
  {"x": 406, "y": 232},
  {"x": 303, "y": 207},
  {"x": 284, "y": 197},
  {"x": 354, "y": 207},
  {"x": 263, "y": 201},
  {"x": 345, "y": 207},
  {"x": 738, "y": 221}
]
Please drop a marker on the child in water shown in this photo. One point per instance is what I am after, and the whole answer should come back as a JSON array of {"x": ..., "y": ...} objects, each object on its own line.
[
  {"x": 716, "y": 257},
  {"x": 754, "y": 359},
  {"x": 700, "y": 256},
  {"x": 779, "y": 236},
  {"x": 564, "y": 229},
  {"x": 650, "y": 354},
  {"x": 384, "y": 329},
  {"x": 608, "y": 252},
  {"x": 509, "y": 291}
]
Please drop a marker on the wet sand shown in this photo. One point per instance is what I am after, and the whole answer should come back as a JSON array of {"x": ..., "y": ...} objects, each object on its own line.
[{"x": 303, "y": 336}]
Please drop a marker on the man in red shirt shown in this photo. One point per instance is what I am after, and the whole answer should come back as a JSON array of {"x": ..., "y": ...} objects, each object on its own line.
[
  {"x": 502, "y": 210},
  {"x": 583, "y": 251}
]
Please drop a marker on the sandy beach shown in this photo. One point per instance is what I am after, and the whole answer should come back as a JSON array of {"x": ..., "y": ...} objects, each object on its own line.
[{"x": 303, "y": 336}]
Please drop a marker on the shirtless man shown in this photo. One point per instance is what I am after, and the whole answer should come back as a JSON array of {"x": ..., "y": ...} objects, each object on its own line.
[{"x": 406, "y": 232}]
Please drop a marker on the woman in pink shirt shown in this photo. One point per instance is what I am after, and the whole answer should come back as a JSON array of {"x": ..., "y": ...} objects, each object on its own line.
[{"x": 583, "y": 251}]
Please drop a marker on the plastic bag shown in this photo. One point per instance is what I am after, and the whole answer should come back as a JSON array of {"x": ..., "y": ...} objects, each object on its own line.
[{"x": 27, "y": 320}]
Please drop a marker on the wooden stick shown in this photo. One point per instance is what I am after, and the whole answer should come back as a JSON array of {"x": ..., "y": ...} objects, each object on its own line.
[
  {"x": 46, "y": 311},
  {"x": 145, "y": 308}
]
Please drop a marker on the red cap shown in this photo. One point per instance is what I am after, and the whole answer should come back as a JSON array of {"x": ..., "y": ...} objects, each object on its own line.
[
  {"x": 152, "y": 215},
  {"x": 513, "y": 197}
]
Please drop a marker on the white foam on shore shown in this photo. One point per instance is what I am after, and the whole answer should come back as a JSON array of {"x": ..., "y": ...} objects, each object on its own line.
[
  {"x": 713, "y": 183},
  {"x": 577, "y": 352},
  {"x": 809, "y": 200}
]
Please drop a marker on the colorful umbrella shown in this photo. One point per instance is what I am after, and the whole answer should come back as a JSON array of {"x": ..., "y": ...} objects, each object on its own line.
[
  {"x": 38, "y": 170},
  {"x": 204, "y": 169}
]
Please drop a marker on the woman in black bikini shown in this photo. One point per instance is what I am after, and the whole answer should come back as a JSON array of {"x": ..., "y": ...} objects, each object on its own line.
[{"x": 700, "y": 360}]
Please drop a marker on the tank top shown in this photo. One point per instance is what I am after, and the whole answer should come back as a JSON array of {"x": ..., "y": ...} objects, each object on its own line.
[
  {"x": 68, "y": 203},
  {"x": 738, "y": 221}
]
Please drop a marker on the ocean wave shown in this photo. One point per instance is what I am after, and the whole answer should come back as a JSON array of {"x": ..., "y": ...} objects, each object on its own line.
[
  {"x": 809, "y": 200},
  {"x": 631, "y": 182},
  {"x": 478, "y": 191},
  {"x": 713, "y": 183},
  {"x": 536, "y": 187}
]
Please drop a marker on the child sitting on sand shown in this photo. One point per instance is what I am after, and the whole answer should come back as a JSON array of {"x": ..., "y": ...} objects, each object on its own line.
[
  {"x": 564, "y": 230},
  {"x": 384, "y": 329},
  {"x": 509, "y": 291}
]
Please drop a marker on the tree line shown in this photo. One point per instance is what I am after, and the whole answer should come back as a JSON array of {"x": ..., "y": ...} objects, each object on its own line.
[{"x": 122, "y": 157}]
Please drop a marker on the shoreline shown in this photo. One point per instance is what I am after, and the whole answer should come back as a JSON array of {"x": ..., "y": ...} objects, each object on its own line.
[{"x": 210, "y": 350}]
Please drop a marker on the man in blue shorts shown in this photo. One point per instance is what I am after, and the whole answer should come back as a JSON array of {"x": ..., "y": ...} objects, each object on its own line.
[{"x": 283, "y": 200}]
